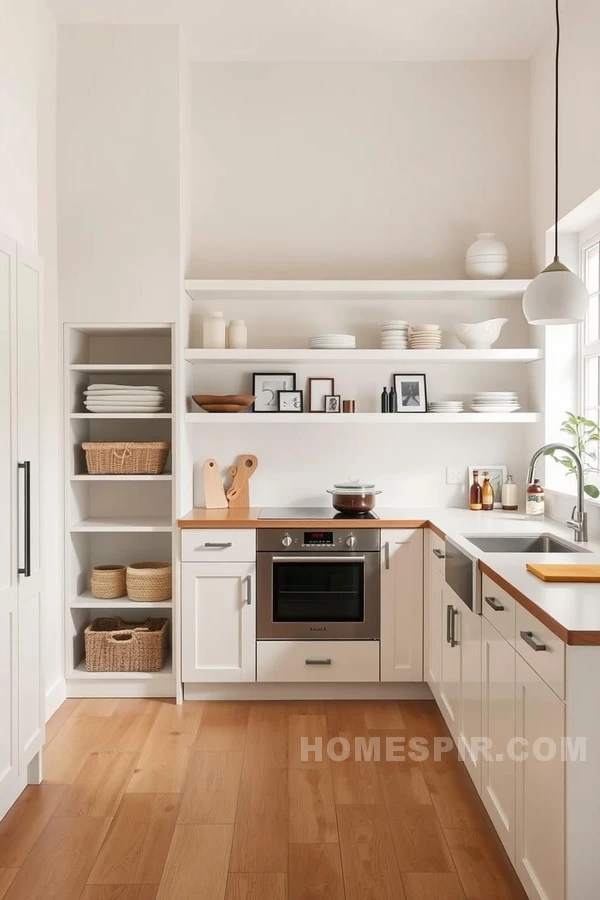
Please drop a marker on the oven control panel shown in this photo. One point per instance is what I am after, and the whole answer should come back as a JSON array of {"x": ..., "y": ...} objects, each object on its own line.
[
  {"x": 318, "y": 539},
  {"x": 343, "y": 540}
]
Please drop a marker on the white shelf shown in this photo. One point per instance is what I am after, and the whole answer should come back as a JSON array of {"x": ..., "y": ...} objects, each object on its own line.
[
  {"x": 120, "y": 367},
  {"x": 121, "y": 416},
  {"x": 465, "y": 418},
  {"x": 356, "y": 357},
  {"x": 200, "y": 289},
  {"x": 167, "y": 477},
  {"x": 100, "y": 524},
  {"x": 86, "y": 601},
  {"x": 80, "y": 671}
]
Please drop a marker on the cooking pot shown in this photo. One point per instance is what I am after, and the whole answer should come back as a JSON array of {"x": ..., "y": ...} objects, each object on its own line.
[{"x": 353, "y": 497}]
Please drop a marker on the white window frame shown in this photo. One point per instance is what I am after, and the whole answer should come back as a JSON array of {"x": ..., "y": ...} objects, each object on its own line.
[{"x": 587, "y": 349}]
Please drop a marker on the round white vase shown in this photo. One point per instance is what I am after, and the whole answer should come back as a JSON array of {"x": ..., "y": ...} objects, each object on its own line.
[
  {"x": 214, "y": 331},
  {"x": 487, "y": 257},
  {"x": 237, "y": 335}
]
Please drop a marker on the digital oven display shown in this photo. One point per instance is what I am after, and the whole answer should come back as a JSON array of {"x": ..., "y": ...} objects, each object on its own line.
[{"x": 318, "y": 538}]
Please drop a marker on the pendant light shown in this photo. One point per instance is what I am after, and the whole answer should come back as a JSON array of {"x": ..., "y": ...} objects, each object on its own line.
[{"x": 557, "y": 296}]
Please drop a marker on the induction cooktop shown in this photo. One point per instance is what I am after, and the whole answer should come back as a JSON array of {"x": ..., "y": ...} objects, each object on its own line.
[{"x": 310, "y": 512}]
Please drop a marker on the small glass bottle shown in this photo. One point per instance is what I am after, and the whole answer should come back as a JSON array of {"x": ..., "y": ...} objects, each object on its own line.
[
  {"x": 385, "y": 401},
  {"x": 534, "y": 504},
  {"x": 393, "y": 400},
  {"x": 487, "y": 493},
  {"x": 475, "y": 498},
  {"x": 510, "y": 496}
]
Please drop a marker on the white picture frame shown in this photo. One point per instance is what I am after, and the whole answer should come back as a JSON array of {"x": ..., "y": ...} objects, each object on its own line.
[{"x": 497, "y": 478}]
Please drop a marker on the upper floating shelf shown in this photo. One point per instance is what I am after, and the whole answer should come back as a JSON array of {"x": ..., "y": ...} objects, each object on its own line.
[
  {"x": 200, "y": 289},
  {"x": 354, "y": 357}
]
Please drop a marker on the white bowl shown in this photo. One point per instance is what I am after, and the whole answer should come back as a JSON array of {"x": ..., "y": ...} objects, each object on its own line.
[{"x": 479, "y": 335}]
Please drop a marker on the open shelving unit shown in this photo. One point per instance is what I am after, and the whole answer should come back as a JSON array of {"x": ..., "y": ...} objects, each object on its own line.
[{"x": 112, "y": 518}]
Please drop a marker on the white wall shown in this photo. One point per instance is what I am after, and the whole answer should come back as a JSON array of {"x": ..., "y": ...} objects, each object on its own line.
[
  {"x": 18, "y": 121},
  {"x": 357, "y": 170},
  {"x": 119, "y": 173}
]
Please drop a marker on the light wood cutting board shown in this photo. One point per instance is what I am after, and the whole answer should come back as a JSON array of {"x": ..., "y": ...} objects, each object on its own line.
[
  {"x": 214, "y": 493},
  {"x": 239, "y": 492},
  {"x": 565, "y": 573}
]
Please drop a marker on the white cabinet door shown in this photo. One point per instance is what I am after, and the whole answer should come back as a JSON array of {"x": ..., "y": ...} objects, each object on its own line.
[
  {"x": 9, "y": 753},
  {"x": 31, "y": 694},
  {"x": 434, "y": 614},
  {"x": 218, "y": 621},
  {"x": 402, "y": 605},
  {"x": 540, "y": 806},
  {"x": 449, "y": 690},
  {"x": 498, "y": 772},
  {"x": 468, "y": 634}
]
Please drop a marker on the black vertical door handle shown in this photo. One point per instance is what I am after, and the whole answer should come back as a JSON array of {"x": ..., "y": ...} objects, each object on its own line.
[{"x": 26, "y": 569}]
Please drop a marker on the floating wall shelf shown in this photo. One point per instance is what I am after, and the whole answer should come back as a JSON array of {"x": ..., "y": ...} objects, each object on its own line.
[
  {"x": 398, "y": 419},
  {"x": 361, "y": 357}
]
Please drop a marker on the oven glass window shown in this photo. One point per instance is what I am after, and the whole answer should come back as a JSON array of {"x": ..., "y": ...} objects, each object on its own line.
[{"x": 318, "y": 592}]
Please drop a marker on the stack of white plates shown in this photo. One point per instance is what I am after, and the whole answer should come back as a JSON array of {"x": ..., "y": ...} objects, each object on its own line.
[
  {"x": 394, "y": 335},
  {"x": 123, "y": 398},
  {"x": 332, "y": 342},
  {"x": 495, "y": 402},
  {"x": 425, "y": 337},
  {"x": 445, "y": 406}
]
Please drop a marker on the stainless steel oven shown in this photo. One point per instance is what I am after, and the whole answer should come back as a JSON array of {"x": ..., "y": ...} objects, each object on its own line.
[{"x": 318, "y": 585}]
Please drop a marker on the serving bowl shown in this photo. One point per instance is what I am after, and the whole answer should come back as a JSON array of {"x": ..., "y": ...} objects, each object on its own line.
[
  {"x": 479, "y": 335},
  {"x": 223, "y": 403}
]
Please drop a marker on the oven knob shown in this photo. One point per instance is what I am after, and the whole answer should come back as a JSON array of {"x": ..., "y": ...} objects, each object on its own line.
[
  {"x": 351, "y": 541},
  {"x": 286, "y": 541}
]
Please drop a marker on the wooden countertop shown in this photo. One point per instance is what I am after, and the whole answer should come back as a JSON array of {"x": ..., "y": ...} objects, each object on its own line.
[{"x": 249, "y": 518}]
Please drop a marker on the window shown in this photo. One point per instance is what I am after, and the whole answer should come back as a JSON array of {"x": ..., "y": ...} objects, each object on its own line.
[{"x": 590, "y": 342}]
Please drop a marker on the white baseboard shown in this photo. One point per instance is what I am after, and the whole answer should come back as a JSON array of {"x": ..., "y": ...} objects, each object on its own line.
[
  {"x": 55, "y": 696},
  {"x": 280, "y": 691}
]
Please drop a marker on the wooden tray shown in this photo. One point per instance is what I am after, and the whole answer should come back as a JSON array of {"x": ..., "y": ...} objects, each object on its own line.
[{"x": 565, "y": 573}]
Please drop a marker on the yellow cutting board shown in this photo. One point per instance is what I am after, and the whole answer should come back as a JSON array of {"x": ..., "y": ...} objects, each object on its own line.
[{"x": 558, "y": 572}]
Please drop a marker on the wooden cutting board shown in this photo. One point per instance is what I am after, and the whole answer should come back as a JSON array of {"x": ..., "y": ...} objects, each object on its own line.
[
  {"x": 239, "y": 492},
  {"x": 565, "y": 573},
  {"x": 214, "y": 493}
]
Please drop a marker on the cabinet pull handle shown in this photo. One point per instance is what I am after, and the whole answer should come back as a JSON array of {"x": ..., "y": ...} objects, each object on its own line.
[
  {"x": 212, "y": 546},
  {"x": 448, "y": 624},
  {"x": 386, "y": 548},
  {"x": 532, "y": 641},
  {"x": 438, "y": 553},
  {"x": 26, "y": 569},
  {"x": 317, "y": 662},
  {"x": 491, "y": 601},
  {"x": 453, "y": 641},
  {"x": 249, "y": 590}
]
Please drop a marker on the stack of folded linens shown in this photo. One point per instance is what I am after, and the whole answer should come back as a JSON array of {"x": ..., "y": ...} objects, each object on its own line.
[{"x": 123, "y": 398}]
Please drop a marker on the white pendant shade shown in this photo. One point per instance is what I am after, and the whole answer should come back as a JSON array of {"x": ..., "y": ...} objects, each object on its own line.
[{"x": 556, "y": 297}]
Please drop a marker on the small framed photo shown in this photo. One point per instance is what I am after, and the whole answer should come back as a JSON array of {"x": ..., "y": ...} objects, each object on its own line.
[
  {"x": 318, "y": 390},
  {"x": 266, "y": 387},
  {"x": 497, "y": 476},
  {"x": 290, "y": 401},
  {"x": 412, "y": 393},
  {"x": 333, "y": 403}
]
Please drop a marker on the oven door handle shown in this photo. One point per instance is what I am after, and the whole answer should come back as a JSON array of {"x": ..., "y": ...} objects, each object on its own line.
[{"x": 350, "y": 557}]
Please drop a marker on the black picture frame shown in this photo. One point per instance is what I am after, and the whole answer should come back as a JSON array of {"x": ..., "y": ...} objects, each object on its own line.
[
  {"x": 406, "y": 395},
  {"x": 281, "y": 396},
  {"x": 338, "y": 398},
  {"x": 287, "y": 383}
]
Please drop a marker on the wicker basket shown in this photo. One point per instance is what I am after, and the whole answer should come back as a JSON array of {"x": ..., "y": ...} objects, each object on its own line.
[
  {"x": 149, "y": 581},
  {"x": 126, "y": 457},
  {"x": 113, "y": 645},
  {"x": 108, "y": 582}
]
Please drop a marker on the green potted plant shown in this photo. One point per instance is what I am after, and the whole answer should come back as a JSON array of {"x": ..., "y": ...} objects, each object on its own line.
[{"x": 585, "y": 435}]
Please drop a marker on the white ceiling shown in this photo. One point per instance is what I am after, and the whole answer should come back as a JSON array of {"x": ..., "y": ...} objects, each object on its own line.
[{"x": 334, "y": 30}]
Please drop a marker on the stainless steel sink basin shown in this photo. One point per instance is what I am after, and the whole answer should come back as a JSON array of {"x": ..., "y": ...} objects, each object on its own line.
[{"x": 520, "y": 543}]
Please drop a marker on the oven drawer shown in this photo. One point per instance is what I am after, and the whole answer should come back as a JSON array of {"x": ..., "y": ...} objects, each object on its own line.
[
  {"x": 218, "y": 545},
  {"x": 321, "y": 661}
]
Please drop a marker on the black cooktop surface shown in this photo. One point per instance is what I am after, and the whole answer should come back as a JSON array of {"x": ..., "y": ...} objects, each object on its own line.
[{"x": 311, "y": 512}]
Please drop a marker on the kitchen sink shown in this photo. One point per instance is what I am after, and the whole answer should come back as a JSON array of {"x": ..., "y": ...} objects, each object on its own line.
[{"x": 520, "y": 543}]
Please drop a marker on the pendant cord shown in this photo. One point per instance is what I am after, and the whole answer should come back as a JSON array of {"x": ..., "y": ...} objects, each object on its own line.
[{"x": 556, "y": 132}]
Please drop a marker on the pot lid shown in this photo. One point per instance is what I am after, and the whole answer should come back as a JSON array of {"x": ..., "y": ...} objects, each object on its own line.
[{"x": 352, "y": 487}]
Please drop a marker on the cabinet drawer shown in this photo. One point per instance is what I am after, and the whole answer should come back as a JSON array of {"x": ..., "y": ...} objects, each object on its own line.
[
  {"x": 218, "y": 545},
  {"x": 317, "y": 661},
  {"x": 436, "y": 551},
  {"x": 548, "y": 663},
  {"x": 492, "y": 598}
]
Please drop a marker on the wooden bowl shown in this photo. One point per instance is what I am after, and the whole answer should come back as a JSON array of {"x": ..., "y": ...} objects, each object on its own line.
[{"x": 223, "y": 403}]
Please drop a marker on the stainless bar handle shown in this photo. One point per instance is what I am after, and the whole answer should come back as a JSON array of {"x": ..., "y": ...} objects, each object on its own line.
[
  {"x": 317, "y": 662},
  {"x": 453, "y": 641},
  {"x": 212, "y": 546},
  {"x": 350, "y": 557},
  {"x": 438, "y": 553},
  {"x": 249, "y": 590},
  {"x": 448, "y": 623},
  {"x": 26, "y": 569},
  {"x": 386, "y": 548},
  {"x": 491, "y": 601},
  {"x": 533, "y": 642}
]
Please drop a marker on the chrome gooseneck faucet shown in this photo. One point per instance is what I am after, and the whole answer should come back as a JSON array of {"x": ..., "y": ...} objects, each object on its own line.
[{"x": 578, "y": 520}]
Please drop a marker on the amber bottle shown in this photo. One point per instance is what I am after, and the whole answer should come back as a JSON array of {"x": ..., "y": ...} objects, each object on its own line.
[
  {"x": 475, "y": 494},
  {"x": 487, "y": 493}
]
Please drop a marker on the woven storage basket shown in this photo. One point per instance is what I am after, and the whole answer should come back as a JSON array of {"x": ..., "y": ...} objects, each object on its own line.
[
  {"x": 126, "y": 457},
  {"x": 113, "y": 645},
  {"x": 108, "y": 582},
  {"x": 149, "y": 581}
]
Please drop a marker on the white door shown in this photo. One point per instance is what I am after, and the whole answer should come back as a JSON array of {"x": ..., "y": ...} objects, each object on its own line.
[
  {"x": 9, "y": 753},
  {"x": 540, "y": 810},
  {"x": 498, "y": 772},
  {"x": 468, "y": 634},
  {"x": 402, "y": 605},
  {"x": 449, "y": 689},
  {"x": 434, "y": 625},
  {"x": 218, "y": 624}
]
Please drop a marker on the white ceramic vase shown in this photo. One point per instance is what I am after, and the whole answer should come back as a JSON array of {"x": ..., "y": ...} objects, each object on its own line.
[
  {"x": 487, "y": 257},
  {"x": 214, "y": 331},
  {"x": 237, "y": 335}
]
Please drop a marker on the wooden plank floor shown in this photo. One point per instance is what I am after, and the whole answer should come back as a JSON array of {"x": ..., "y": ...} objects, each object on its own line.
[{"x": 144, "y": 800}]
